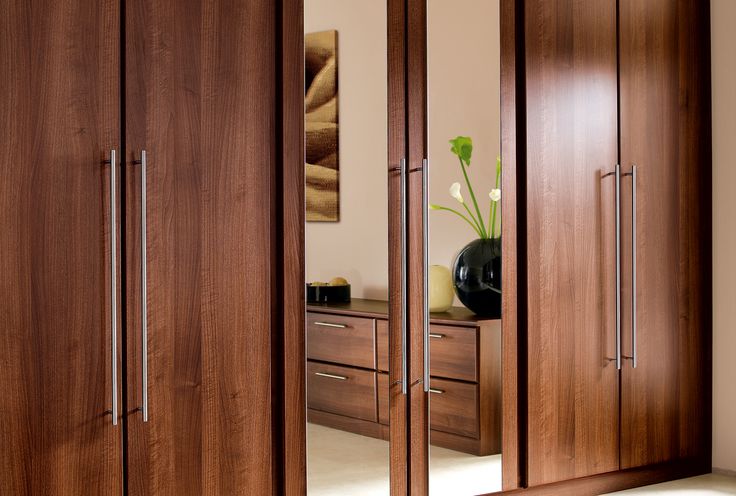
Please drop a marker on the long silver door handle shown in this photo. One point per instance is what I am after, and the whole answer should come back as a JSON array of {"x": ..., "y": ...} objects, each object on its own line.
[
  {"x": 113, "y": 289},
  {"x": 618, "y": 265},
  {"x": 633, "y": 265},
  {"x": 617, "y": 177},
  {"x": 404, "y": 309},
  {"x": 144, "y": 291},
  {"x": 425, "y": 249}
]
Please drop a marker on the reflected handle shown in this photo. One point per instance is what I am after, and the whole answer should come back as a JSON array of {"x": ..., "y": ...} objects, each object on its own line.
[
  {"x": 436, "y": 391},
  {"x": 330, "y": 324},
  {"x": 425, "y": 250},
  {"x": 331, "y": 376},
  {"x": 144, "y": 292},
  {"x": 113, "y": 289},
  {"x": 404, "y": 309},
  {"x": 436, "y": 336}
]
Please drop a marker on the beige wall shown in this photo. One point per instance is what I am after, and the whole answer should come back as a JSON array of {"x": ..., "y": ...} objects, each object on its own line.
[
  {"x": 723, "y": 20},
  {"x": 356, "y": 247},
  {"x": 463, "y": 99}
]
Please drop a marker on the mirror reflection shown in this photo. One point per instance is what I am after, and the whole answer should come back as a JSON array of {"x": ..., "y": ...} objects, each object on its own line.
[{"x": 346, "y": 113}]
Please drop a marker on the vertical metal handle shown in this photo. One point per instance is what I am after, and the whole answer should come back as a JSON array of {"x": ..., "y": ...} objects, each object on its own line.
[
  {"x": 617, "y": 174},
  {"x": 404, "y": 309},
  {"x": 425, "y": 249},
  {"x": 144, "y": 292},
  {"x": 633, "y": 266},
  {"x": 113, "y": 289}
]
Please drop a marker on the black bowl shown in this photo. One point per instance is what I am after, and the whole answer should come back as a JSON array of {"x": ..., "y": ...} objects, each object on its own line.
[{"x": 328, "y": 294}]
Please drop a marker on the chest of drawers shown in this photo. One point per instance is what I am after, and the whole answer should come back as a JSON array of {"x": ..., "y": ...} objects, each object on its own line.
[{"x": 347, "y": 374}]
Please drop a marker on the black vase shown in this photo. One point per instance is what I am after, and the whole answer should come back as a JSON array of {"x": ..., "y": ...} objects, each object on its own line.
[{"x": 476, "y": 275}]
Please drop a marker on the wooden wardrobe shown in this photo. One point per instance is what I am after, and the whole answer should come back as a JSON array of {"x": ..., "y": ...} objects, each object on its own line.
[
  {"x": 617, "y": 201},
  {"x": 144, "y": 163}
]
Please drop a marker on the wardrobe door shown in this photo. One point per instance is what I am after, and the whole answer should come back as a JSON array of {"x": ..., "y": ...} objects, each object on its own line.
[
  {"x": 61, "y": 426},
  {"x": 665, "y": 133},
  {"x": 200, "y": 100},
  {"x": 572, "y": 139}
]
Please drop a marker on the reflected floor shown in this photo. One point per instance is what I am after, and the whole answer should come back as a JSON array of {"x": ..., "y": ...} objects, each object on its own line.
[{"x": 342, "y": 463}]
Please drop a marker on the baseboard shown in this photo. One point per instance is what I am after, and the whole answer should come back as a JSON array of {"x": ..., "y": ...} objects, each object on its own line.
[
  {"x": 618, "y": 481},
  {"x": 724, "y": 471}
]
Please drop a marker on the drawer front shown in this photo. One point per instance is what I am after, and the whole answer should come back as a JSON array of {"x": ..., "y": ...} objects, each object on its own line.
[
  {"x": 342, "y": 390},
  {"x": 382, "y": 384},
  {"x": 341, "y": 339},
  {"x": 453, "y": 352},
  {"x": 453, "y": 407},
  {"x": 382, "y": 344}
]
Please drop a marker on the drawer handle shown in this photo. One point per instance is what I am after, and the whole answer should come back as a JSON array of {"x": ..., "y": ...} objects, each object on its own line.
[
  {"x": 330, "y": 324},
  {"x": 436, "y": 336},
  {"x": 331, "y": 376},
  {"x": 436, "y": 391}
]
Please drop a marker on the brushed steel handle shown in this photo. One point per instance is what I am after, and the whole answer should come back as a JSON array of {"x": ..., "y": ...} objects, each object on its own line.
[
  {"x": 617, "y": 177},
  {"x": 434, "y": 335},
  {"x": 113, "y": 289},
  {"x": 330, "y": 324},
  {"x": 332, "y": 376},
  {"x": 144, "y": 292},
  {"x": 436, "y": 391},
  {"x": 633, "y": 265},
  {"x": 425, "y": 248},
  {"x": 404, "y": 309},
  {"x": 618, "y": 265}
]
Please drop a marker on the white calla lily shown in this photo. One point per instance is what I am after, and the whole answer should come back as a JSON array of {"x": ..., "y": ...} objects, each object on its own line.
[
  {"x": 495, "y": 194},
  {"x": 455, "y": 192}
]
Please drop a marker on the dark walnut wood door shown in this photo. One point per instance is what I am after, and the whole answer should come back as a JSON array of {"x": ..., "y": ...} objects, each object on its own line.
[
  {"x": 573, "y": 384},
  {"x": 59, "y": 120},
  {"x": 665, "y": 132},
  {"x": 200, "y": 100}
]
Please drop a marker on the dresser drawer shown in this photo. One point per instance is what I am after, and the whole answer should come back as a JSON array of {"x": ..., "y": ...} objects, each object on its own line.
[
  {"x": 453, "y": 352},
  {"x": 382, "y": 384},
  {"x": 453, "y": 407},
  {"x": 342, "y": 390},
  {"x": 341, "y": 339}
]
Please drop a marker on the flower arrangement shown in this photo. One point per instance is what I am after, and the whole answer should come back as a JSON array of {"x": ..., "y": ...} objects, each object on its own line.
[{"x": 462, "y": 147}]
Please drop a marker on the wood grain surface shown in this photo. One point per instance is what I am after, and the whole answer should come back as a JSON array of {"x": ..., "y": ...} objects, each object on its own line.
[
  {"x": 572, "y": 140},
  {"x": 201, "y": 84},
  {"x": 59, "y": 119}
]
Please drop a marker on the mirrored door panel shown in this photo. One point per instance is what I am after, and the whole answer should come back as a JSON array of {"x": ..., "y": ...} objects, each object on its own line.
[
  {"x": 464, "y": 244},
  {"x": 349, "y": 321}
]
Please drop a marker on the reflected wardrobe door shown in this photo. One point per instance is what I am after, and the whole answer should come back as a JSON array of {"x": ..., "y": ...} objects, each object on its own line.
[{"x": 201, "y": 257}]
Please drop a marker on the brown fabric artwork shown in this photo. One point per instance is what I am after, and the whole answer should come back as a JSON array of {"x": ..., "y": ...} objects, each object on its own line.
[{"x": 322, "y": 143}]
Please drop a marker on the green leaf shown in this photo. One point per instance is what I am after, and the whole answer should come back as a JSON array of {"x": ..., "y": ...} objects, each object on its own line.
[{"x": 462, "y": 146}]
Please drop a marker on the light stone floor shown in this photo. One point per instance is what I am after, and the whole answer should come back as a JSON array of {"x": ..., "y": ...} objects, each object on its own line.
[{"x": 343, "y": 464}]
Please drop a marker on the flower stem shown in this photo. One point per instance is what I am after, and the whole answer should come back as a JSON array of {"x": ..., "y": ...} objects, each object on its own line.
[
  {"x": 472, "y": 196},
  {"x": 437, "y": 207},
  {"x": 480, "y": 230}
]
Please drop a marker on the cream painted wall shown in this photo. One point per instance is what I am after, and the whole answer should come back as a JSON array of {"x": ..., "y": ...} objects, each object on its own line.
[
  {"x": 356, "y": 247},
  {"x": 463, "y": 99},
  {"x": 723, "y": 20}
]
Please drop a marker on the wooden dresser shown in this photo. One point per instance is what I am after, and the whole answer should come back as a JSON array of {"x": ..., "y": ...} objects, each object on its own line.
[{"x": 347, "y": 374}]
